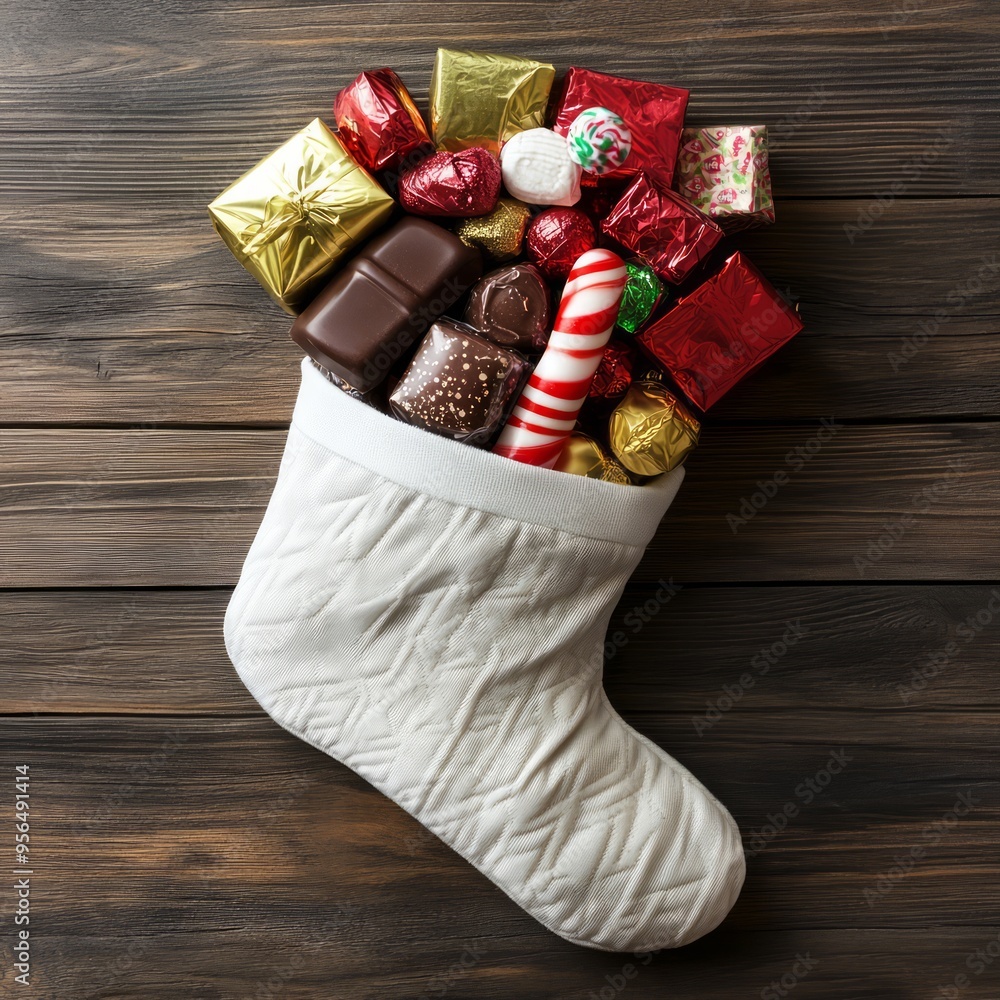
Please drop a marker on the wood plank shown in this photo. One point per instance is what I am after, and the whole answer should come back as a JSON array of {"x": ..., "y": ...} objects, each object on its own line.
[
  {"x": 142, "y": 316},
  {"x": 333, "y": 955},
  {"x": 219, "y": 822},
  {"x": 217, "y": 84},
  {"x": 860, "y": 647},
  {"x": 179, "y": 508}
]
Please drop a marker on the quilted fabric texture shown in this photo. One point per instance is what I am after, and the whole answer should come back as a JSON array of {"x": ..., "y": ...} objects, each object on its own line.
[{"x": 433, "y": 616}]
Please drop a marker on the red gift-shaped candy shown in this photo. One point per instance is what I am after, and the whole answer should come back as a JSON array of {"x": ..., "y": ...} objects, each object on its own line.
[
  {"x": 377, "y": 120},
  {"x": 669, "y": 233},
  {"x": 720, "y": 332},
  {"x": 653, "y": 112}
]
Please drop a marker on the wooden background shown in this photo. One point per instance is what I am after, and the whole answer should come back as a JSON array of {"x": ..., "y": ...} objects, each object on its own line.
[{"x": 185, "y": 846}]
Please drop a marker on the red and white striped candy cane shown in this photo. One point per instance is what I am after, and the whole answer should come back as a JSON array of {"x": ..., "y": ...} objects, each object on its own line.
[{"x": 547, "y": 409}]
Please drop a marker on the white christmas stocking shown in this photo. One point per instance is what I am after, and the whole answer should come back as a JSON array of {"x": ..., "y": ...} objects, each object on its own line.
[{"x": 433, "y": 616}]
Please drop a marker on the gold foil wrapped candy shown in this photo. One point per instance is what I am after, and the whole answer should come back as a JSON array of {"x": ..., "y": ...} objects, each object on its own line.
[
  {"x": 500, "y": 233},
  {"x": 651, "y": 430},
  {"x": 290, "y": 219},
  {"x": 482, "y": 99},
  {"x": 583, "y": 456}
]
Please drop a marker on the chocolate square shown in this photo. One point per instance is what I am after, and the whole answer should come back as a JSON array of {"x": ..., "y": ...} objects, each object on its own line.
[{"x": 459, "y": 384}]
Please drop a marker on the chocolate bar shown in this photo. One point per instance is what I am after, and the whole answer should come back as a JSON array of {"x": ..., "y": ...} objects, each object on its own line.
[
  {"x": 380, "y": 304},
  {"x": 459, "y": 384}
]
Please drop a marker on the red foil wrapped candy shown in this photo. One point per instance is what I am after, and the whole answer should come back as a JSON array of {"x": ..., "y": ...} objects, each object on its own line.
[
  {"x": 556, "y": 237},
  {"x": 720, "y": 332},
  {"x": 377, "y": 120},
  {"x": 653, "y": 112},
  {"x": 663, "y": 228},
  {"x": 614, "y": 373},
  {"x": 458, "y": 185}
]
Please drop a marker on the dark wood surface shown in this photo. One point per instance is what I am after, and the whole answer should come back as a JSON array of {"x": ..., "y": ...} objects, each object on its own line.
[{"x": 187, "y": 847}]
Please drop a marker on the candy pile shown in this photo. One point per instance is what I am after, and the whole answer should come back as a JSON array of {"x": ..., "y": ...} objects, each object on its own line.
[{"x": 562, "y": 354}]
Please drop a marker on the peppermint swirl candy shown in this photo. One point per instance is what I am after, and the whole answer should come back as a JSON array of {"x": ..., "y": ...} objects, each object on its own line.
[{"x": 599, "y": 140}]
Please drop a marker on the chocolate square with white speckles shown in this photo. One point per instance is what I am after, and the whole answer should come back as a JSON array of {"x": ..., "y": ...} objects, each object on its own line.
[{"x": 459, "y": 384}]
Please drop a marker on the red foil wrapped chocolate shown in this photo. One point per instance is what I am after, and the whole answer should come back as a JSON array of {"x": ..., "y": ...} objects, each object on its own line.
[
  {"x": 457, "y": 185},
  {"x": 653, "y": 112},
  {"x": 663, "y": 228},
  {"x": 377, "y": 120},
  {"x": 556, "y": 237},
  {"x": 614, "y": 374},
  {"x": 720, "y": 332}
]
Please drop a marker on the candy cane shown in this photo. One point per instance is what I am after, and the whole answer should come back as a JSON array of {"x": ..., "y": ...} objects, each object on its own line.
[{"x": 547, "y": 409}]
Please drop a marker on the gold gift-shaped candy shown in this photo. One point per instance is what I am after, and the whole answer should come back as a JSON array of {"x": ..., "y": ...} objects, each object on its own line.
[
  {"x": 482, "y": 98},
  {"x": 292, "y": 218}
]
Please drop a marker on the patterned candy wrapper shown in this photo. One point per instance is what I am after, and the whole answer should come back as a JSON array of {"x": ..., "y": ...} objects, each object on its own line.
[
  {"x": 483, "y": 98},
  {"x": 723, "y": 171},
  {"x": 653, "y": 113},
  {"x": 297, "y": 214},
  {"x": 716, "y": 335}
]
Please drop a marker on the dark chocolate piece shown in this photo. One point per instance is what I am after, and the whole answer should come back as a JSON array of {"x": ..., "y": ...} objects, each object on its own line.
[
  {"x": 510, "y": 306},
  {"x": 459, "y": 384},
  {"x": 381, "y": 302}
]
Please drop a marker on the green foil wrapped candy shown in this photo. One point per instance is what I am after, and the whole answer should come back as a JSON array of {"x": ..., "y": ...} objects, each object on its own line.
[{"x": 643, "y": 291}]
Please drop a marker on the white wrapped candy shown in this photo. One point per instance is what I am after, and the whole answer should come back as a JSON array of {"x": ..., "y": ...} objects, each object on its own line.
[
  {"x": 538, "y": 169},
  {"x": 599, "y": 140}
]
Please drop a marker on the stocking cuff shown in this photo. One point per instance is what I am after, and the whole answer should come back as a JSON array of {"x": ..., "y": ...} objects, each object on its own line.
[{"x": 470, "y": 477}]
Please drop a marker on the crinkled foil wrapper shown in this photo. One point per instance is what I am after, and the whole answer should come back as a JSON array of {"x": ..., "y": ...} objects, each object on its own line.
[
  {"x": 500, "y": 233},
  {"x": 653, "y": 112},
  {"x": 664, "y": 229},
  {"x": 583, "y": 456},
  {"x": 377, "y": 120},
  {"x": 717, "y": 334},
  {"x": 651, "y": 430},
  {"x": 482, "y": 99},
  {"x": 292, "y": 218}
]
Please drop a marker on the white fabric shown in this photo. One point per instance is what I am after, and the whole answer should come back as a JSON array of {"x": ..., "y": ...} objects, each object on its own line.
[{"x": 433, "y": 616}]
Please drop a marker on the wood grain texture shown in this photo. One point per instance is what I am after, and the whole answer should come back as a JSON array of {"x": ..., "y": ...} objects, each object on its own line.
[
  {"x": 332, "y": 956},
  {"x": 147, "y": 319},
  {"x": 160, "y": 652},
  {"x": 297, "y": 830},
  {"x": 214, "y": 84},
  {"x": 190, "y": 848},
  {"x": 180, "y": 508}
]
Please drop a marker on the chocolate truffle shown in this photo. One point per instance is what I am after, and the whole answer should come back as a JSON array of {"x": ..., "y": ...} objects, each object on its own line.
[
  {"x": 459, "y": 384},
  {"x": 384, "y": 299},
  {"x": 510, "y": 306}
]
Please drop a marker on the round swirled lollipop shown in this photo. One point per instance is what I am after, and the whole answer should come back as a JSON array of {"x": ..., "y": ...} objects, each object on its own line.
[{"x": 599, "y": 140}]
